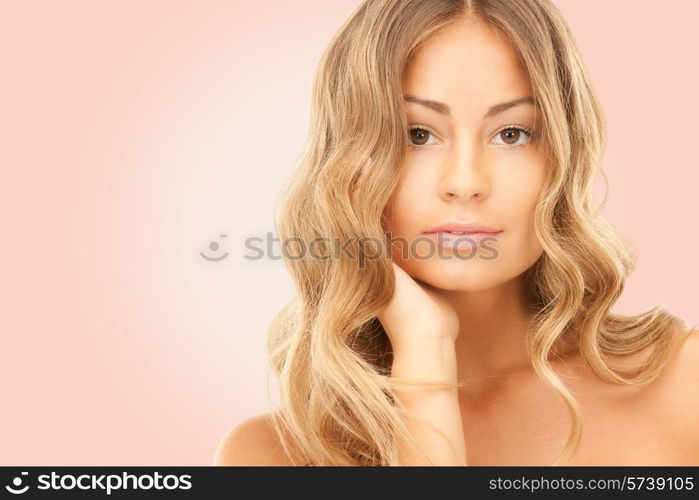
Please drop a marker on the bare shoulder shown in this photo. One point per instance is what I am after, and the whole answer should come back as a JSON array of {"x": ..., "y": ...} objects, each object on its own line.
[
  {"x": 254, "y": 441},
  {"x": 682, "y": 387},
  {"x": 683, "y": 368}
]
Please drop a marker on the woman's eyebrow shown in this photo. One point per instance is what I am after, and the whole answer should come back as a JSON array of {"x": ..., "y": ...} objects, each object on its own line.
[{"x": 444, "y": 109}]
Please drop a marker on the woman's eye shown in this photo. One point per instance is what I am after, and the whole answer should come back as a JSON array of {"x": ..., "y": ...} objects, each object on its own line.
[
  {"x": 512, "y": 135},
  {"x": 418, "y": 136}
]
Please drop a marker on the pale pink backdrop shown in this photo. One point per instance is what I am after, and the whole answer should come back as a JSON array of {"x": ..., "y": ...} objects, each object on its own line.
[{"x": 133, "y": 134}]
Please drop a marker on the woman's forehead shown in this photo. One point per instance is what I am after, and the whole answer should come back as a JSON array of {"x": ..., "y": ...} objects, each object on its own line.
[{"x": 470, "y": 66}]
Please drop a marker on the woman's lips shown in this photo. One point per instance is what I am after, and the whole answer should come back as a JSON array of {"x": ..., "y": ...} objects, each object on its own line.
[{"x": 459, "y": 241}]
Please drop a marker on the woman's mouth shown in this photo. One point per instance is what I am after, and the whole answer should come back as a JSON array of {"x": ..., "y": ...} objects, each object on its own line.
[{"x": 462, "y": 240}]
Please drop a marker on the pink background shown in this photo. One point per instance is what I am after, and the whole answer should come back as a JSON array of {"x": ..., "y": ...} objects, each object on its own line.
[{"x": 134, "y": 133}]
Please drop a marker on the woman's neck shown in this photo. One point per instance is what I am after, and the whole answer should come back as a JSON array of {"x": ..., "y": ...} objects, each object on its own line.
[{"x": 493, "y": 325}]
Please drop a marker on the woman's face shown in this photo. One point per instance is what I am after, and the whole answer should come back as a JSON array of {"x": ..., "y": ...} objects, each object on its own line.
[{"x": 470, "y": 162}]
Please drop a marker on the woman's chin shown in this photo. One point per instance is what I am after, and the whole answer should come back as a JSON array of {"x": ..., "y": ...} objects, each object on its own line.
[{"x": 458, "y": 276}]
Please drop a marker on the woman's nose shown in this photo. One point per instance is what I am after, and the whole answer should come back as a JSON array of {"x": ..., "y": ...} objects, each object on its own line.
[{"x": 464, "y": 177}]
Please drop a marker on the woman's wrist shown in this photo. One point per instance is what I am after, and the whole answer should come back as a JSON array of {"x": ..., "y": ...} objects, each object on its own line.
[
  {"x": 417, "y": 347},
  {"x": 433, "y": 360}
]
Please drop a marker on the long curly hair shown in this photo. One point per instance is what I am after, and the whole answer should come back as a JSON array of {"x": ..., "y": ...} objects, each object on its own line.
[{"x": 327, "y": 348}]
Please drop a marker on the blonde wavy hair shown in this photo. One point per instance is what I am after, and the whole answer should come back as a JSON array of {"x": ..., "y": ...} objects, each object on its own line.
[{"x": 327, "y": 348}]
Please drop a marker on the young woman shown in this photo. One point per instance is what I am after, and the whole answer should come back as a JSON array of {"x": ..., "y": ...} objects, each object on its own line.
[{"x": 464, "y": 136}]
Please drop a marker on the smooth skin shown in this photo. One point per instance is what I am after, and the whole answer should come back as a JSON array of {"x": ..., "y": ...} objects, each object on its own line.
[{"x": 465, "y": 318}]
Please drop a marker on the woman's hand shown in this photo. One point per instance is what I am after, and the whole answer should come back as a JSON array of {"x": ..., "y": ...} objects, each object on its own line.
[{"x": 417, "y": 315}]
